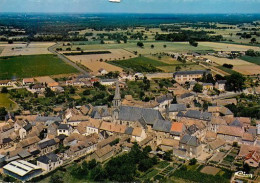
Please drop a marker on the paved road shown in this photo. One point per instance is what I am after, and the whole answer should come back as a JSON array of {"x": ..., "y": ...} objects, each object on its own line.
[{"x": 65, "y": 59}]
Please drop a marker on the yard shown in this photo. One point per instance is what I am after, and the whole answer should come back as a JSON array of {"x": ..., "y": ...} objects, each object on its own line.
[
  {"x": 255, "y": 60},
  {"x": 33, "y": 65}
]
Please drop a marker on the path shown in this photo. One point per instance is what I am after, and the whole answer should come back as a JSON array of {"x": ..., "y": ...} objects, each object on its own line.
[{"x": 65, "y": 59}]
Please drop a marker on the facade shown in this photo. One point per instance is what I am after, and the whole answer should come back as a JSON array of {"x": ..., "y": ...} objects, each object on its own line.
[
  {"x": 49, "y": 162},
  {"x": 184, "y": 76},
  {"x": 64, "y": 129},
  {"x": 191, "y": 145}
]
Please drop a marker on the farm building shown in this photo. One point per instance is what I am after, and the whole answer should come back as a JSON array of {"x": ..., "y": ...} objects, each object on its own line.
[
  {"x": 183, "y": 76},
  {"x": 22, "y": 170}
]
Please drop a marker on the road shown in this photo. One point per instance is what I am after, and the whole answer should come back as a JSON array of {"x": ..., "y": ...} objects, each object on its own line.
[{"x": 65, "y": 59}]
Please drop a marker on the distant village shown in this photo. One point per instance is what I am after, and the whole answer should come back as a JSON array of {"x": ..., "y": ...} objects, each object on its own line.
[{"x": 34, "y": 144}]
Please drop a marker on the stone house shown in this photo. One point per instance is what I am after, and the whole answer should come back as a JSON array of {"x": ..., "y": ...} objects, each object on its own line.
[
  {"x": 103, "y": 154},
  {"x": 49, "y": 162},
  {"x": 191, "y": 146}
]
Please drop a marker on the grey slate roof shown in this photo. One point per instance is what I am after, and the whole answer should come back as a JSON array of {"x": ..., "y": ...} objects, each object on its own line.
[
  {"x": 236, "y": 123},
  {"x": 177, "y": 107},
  {"x": 24, "y": 153},
  {"x": 129, "y": 130},
  {"x": 186, "y": 95},
  {"x": 63, "y": 127},
  {"x": 190, "y": 140},
  {"x": 221, "y": 81},
  {"x": 28, "y": 127},
  {"x": 192, "y": 129},
  {"x": 129, "y": 113},
  {"x": 198, "y": 115},
  {"x": 162, "y": 125},
  {"x": 48, "y": 118},
  {"x": 163, "y": 98},
  {"x": 191, "y": 72},
  {"x": 47, "y": 143},
  {"x": 49, "y": 157},
  {"x": 100, "y": 111}
]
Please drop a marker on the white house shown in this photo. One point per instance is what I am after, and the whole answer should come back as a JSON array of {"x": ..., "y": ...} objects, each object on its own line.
[
  {"x": 5, "y": 83},
  {"x": 49, "y": 162},
  {"x": 64, "y": 129},
  {"x": 108, "y": 82}
]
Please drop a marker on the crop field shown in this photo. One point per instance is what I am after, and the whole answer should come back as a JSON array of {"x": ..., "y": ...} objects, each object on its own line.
[
  {"x": 151, "y": 65},
  {"x": 33, "y": 65},
  {"x": 97, "y": 61},
  {"x": 228, "y": 47},
  {"x": 24, "y": 49},
  {"x": 221, "y": 61},
  {"x": 255, "y": 60},
  {"x": 247, "y": 69}
]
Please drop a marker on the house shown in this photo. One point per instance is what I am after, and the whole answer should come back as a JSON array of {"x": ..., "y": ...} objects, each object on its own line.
[
  {"x": 162, "y": 130},
  {"x": 191, "y": 145},
  {"x": 29, "y": 143},
  {"x": 139, "y": 75},
  {"x": 230, "y": 133},
  {"x": 101, "y": 112},
  {"x": 5, "y": 83},
  {"x": 76, "y": 119},
  {"x": 183, "y": 76},
  {"x": 24, "y": 131},
  {"x": 49, "y": 162},
  {"x": 64, "y": 129},
  {"x": 37, "y": 88},
  {"x": 221, "y": 85},
  {"x": 22, "y": 170},
  {"x": 138, "y": 134},
  {"x": 250, "y": 154},
  {"x": 196, "y": 115},
  {"x": 186, "y": 98},
  {"x": 108, "y": 82},
  {"x": 216, "y": 145},
  {"x": 169, "y": 144},
  {"x": 28, "y": 81},
  {"x": 215, "y": 123},
  {"x": 164, "y": 101},
  {"x": 207, "y": 86},
  {"x": 103, "y": 154},
  {"x": 48, "y": 145},
  {"x": 102, "y": 71},
  {"x": 92, "y": 126},
  {"x": 174, "y": 109},
  {"x": 177, "y": 130}
]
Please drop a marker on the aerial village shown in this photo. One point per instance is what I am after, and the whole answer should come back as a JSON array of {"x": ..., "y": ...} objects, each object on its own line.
[{"x": 177, "y": 122}]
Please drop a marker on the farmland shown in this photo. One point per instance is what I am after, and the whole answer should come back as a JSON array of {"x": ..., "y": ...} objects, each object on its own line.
[
  {"x": 255, "y": 60},
  {"x": 146, "y": 64},
  {"x": 6, "y": 102},
  {"x": 33, "y": 65},
  {"x": 25, "y": 49}
]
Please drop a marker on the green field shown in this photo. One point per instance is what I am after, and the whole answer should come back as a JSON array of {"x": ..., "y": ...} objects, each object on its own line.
[
  {"x": 255, "y": 60},
  {"x": 140, "y": 64},
  {"x": 6, "y": 102},
  {"x": 227, "y": 70},
  {"x": 33, "y": 65}
]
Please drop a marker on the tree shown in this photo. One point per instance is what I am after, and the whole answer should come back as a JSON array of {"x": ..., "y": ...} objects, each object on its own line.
[
  {"x": 140, "y": 44},
  {"x": 86, "y": 92},
  {"x": 3, "y": 113},
  {"x": 253, "y": 40},
  {"x": 193, "y": 161},
  {"x": 197, "y": 88},
  {"x": 56, "y": 178},
  {"x": 49, "y": 92},
  {"x": 165, "y": 46},
  {"x": 246, "y": 168},
  {"x": 4, "y": 90},
  {"x": 178, "y": 68},
  {"x": 10, "y": 41},
  {"x": 193, "y": 43},
  {"x": 78, "y": 48},
  {"x": 152, "y": 46},
  {"x": 102, "y": 42},
  {"x": 235, "y": 82}
]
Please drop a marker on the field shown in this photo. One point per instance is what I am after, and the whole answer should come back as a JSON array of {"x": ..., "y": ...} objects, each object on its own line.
[
  {"x": 255, "y": 60},
  {"x": 147, "y": 64},
  {"x": 97, "y": 61},
  {"x": 24, "y": 49},
  {"x": 228, "y": 47},
  {"x": 6, "y": 102},
  {"x": 33, "y": 65},
  {"x": 210, "y": 170},
  {"x": 240, "y": 66}
]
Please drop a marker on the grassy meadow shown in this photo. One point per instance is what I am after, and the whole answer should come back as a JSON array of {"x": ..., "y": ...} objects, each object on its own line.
[
  {"x": 255, "y": 60},
  {"x": 6, "y": 102},
  {"x": 33, "y": 65}
]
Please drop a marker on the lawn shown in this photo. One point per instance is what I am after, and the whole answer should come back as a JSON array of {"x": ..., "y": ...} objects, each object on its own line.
[
  {"x": 33, "y": 65},
  {"x": 163, "y": 164},
  {"x": 255, "y": 60},
  {"x": 6, "y": 102},
  {"x": 149, "y": 174},
  {"x": 140, "y": 64}
]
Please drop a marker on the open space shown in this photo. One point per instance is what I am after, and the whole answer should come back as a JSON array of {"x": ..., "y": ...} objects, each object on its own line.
[
  {"x": 33, "y": 65},
  {"x": 36, "y": 48},
  {"x": 210, "y": 170},
  {"x": 6, "y": 102}
]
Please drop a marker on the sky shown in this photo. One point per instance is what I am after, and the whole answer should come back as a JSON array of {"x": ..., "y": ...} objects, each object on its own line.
[{"x": 131, "y": 6}]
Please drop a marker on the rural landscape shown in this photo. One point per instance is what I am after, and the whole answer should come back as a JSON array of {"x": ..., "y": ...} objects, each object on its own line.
[{"x": 129, "y": 97}]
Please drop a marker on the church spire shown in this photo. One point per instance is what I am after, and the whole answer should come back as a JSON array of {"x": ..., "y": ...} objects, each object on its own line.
[{"x": 117, "y": 97}]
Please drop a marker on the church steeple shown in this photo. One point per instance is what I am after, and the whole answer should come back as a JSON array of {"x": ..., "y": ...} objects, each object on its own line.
[{"x": 117, "y": 98}]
